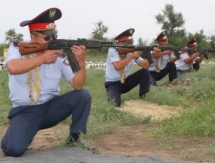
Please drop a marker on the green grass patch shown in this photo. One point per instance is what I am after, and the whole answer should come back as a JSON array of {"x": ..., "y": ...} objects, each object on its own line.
[{"x": 196, "y": 99}]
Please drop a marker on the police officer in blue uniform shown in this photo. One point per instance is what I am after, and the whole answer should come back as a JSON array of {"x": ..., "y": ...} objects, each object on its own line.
[
  {"x": 117, "y": 76},
  {"x": 189, "y": 60},
  {"x": 34, "y": 88},
  {"x": 166, "y": 60}
]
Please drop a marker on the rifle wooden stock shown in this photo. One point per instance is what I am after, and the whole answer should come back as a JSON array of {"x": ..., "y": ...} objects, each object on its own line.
[
  {"x": 28, "y": 48},
  {"x": 65, "y": 45}
]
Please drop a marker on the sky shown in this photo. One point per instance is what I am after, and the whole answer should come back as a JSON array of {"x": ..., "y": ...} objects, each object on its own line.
[{"x": 79, "y": 17}]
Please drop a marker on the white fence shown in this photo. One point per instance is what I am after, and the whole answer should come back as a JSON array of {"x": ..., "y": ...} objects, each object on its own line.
[{"x": 98, "y": 64}]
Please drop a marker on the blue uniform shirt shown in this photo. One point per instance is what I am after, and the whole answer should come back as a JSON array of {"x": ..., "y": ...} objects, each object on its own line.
[
  {"x": 50, "y": 75},
  {"x": 163, "y": 62},
  {"x": 111, "y": 74},
  {"x": 180, "y": 63},
  {"x": 165, "y": 59}
]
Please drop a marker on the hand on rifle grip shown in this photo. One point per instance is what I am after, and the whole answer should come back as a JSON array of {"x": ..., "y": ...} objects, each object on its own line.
[
  {"x": 156, "y": 50},
  {"x": 136, "y": 54}
]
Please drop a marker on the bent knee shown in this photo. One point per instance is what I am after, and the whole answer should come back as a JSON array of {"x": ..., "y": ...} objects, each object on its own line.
[
  {"x": 171, "y": 64},
  {"x": 85, "y": 93},
  {"x": 13, "y": 151},
  {"x": 144, "y": 72}
]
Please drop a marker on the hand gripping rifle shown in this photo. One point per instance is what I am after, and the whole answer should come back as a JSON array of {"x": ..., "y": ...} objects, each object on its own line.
[
  {"x": 147, "y": 50},
  {"x": 202, "y": 51},
  {"x": 205, "y": 52},
  {"x": 28, "y": 48}
]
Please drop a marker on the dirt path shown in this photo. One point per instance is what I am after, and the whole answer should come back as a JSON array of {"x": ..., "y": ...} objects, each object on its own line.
[
  {"x": 144, "y": 108},
  {"x": 131, "y": 141}
]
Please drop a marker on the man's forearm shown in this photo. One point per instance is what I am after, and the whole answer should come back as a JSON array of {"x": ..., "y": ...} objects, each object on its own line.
[
  {"x": 79, "y": 78},
  {"x": 122, "y": 63},
  {"x": 19, "y": 66},
  {"x": 160, "y": 54},
  {"x": 144, "y": 64},
  {"x": 200, "y": 59}
]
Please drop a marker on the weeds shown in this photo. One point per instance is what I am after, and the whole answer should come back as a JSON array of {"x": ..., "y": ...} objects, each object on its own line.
[{"x": 196, "y": 99}]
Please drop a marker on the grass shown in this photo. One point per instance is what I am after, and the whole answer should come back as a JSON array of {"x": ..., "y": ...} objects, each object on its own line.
[
  {"x": 211, "y": 149},
  {"x": 197, "y": 101}
]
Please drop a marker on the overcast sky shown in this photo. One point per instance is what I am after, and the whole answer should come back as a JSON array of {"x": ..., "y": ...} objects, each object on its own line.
[{"x": 80, "y": 16}]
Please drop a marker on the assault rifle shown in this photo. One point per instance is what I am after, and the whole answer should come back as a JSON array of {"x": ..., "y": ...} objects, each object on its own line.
[
  {"x": 28, "y": 48},
  {"x": 176, "y": 50},
  {"x": 147, "y": 49},
  {"x": 204, "y": 51}
]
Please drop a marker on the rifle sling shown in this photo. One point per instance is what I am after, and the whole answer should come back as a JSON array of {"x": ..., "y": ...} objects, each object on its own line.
[
  {"x": 122, "y": 71},
  {"x": 34, "y": 87}
]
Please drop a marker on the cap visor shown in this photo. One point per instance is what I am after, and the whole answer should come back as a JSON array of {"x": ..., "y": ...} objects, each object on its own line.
[{"x": 49, "y": 32}]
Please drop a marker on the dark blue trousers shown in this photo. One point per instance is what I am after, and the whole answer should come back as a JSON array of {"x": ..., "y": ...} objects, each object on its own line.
[
  {"x": 115, "y": 89},
  {"x": 196, "y": 67},
  {"x": 169, "y": 69},
  {"x": 25, "y": 121}
]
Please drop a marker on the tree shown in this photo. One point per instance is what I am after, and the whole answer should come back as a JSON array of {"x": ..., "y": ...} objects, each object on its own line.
[
  {"x": 99, "y": 31},
  {"x": 212, "y": 41},
  {"x": 141, "y": 42},
  {"x": 98, "y": 34},
  {"x": 170, "y": 20},
  {"x": 201, "y": 39},
  {"x": 2, "y": 46},
  {"x": 11, "y": 36}
]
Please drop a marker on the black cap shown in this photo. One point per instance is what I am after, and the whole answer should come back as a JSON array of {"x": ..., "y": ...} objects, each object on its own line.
[
  {"x": 162, "y": 36},
  {"x": 192, "y": 42},
  {"x": 126, "y": 35},
  {"x": 44, "y": 22}
]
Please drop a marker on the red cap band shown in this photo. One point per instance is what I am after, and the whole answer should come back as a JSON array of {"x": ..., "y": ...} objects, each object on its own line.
[
  {"x": 125, "y": 38},
  {"x": 192, "y": 44},
  {"x": 160, "y": 39},
  {"x": 41, "y": 26}
]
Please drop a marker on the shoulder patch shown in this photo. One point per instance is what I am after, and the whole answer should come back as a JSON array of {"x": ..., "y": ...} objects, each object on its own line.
[
  {"x": 62, "y": 55},
  {"x": 66, "y": 62},
  {"x": 15, "y": 43}
]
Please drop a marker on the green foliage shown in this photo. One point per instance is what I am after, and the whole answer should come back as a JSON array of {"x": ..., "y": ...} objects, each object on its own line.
[
  {"x": 104, "y": 117},
  {"x": 171, "y": 21},
  {"x": 141, "y": 42},
  {"x": 192, "y": 122},
  {"x": 99, "y": 31},
  {"x": 96, "y": 56},
  {"x": 211, "y": 41},
  {"x": 4, "y": 101},
  {"x": 196, "y": 99},
  {"x": 11, "y": 36},
  {"x": 98, "y": 34},
  {"x": 197, "y": 118},
  {"x": 211, "y": 148}
]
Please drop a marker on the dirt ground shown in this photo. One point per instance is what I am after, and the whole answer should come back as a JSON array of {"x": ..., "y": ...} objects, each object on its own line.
[{"x": 131, "y": 141}]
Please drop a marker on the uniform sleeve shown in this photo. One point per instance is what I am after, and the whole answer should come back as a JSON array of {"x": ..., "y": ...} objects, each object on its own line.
[
  {"x": 184, "y": 56},
  {"x": 13, "y": 53},
  {"x": 172, "y": 55},
  {"x": 138, "y": 60},
  {"x": 113, "y": 55},
  {"x": 196, "y": 59},
  {"x": 67, "y": 71}
]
